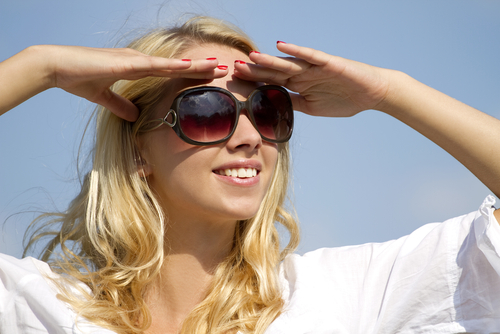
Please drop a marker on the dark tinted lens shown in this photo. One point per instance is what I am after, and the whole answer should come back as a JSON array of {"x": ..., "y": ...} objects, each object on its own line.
[
  {"x": 206, "y": 116},
  {"x": 273, "y": 113}
]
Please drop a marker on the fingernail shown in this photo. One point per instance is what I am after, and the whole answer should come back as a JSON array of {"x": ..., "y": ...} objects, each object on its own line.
[
  {"x": 186, "y": 59},
  {"x": 253, "y": 51},
  {"x": 222, "y": 67},
  {"x": 211, "y": 58},
  {"x": 239, "y": 61},
  {"x": 280, "y": 42}
]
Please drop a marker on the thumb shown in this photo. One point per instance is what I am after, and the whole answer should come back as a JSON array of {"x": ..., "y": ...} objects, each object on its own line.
[
  {"x": 118, "y": 105},
  {"x": 298, "y": 102}
]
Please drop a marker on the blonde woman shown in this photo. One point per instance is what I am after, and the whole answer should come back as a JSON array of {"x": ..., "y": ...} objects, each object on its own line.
[{"x": 174, "y": 228}]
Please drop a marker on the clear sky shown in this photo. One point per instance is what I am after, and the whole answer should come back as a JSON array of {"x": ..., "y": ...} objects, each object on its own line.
[{"x": 363, "y": 179}]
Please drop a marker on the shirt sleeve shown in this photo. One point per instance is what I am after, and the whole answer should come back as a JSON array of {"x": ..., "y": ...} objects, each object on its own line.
[
  {"x": 442, "y": 278},
  {"x": 487, "y": 231},
  {"x": 29, "y": 303}
]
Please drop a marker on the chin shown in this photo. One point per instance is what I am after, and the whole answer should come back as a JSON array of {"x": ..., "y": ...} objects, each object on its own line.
[
  {"x": 240, "y": 205},
  {"x": 248, "y": 213}
]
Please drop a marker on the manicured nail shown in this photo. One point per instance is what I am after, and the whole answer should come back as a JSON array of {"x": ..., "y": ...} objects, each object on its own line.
[
  {"x": 222, "y": 67},
  {"x": 211, "y": 58},
  {"x": 280, "y": 42},
  {"x": 239, "y": 61},
  {"x": 253, "y": 51},
  {"x": 186, "y": 59}
]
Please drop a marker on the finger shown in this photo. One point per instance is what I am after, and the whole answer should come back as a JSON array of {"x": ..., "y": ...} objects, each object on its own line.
[
  {"x": 208, "y": 75},
  {"x": 310, "y": 55},
  {"x": 198, "y": 69},
  {"x": 289, "y": 65},
  {"x": 118, "y": 105},
  {"x": 151, "y": 63},
  {"x": 137, "y": 66},
  {"x": 201, "y": 69},
  {"x": 251, "y": 72},
  {"x": 194, "y": 65},
  {"x": 299, "y": 102},
  {"x": 128, "y": 61}
]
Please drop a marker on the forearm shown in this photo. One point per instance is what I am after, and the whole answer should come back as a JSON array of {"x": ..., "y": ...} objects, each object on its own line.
[
  {"x": 23, "y": 76},
  {"x": 469, "y": 135}
]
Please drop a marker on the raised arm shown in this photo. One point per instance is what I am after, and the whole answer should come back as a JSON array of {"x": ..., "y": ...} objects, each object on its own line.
[
  {"x": 88, "y": 73},
  {"x": 326, "y": 85},
  {"x": 468, "y": 134}
]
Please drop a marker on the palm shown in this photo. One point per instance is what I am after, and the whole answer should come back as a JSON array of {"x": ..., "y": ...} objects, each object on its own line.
[
  {"x": 325, "y": 85},
  {"x": 90, "y": 72}
]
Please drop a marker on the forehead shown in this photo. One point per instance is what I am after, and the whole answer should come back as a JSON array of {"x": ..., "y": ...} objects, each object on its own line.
[{"x": 225, "y": 56}]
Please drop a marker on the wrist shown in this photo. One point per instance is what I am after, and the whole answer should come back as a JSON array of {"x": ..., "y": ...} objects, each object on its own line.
[
  {"x": 40, "y": 66},
  {"x": 25, "y": 75},
  {"x": 394, "y": 99}
]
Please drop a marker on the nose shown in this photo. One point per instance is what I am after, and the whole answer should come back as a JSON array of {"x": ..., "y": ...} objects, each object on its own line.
[{"x": 245, "y": 136}]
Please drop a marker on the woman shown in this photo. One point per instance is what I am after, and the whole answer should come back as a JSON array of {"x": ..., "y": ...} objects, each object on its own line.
[{"x": 173, "y": 231}]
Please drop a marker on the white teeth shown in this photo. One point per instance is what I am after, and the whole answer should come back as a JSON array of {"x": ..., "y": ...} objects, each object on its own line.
[{"x": 240, "y": 172}]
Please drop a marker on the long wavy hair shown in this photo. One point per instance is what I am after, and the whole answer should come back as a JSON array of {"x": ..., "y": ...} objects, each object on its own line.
[{"x": 112, "y": 236}]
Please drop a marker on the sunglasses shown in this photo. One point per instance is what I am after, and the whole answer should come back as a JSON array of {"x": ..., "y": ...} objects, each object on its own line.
[{"x": 209, "y": 115}]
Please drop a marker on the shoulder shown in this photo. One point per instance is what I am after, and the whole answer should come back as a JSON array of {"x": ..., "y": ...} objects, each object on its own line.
[
  {"x": 28, "y": 300},
  {"x": 396, "y": 285},
  {"x": 479, "y": 227},
  {"x": 16, "y": 273}
]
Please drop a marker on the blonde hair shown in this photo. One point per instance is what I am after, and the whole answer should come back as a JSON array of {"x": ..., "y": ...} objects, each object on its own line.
[{"x": 112, "y": 235}]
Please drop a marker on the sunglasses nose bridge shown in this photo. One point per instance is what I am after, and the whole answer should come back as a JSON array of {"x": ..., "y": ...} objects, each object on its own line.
[
  {"x": 245, "y": 108},
  {"x": 241, "y": 105}
]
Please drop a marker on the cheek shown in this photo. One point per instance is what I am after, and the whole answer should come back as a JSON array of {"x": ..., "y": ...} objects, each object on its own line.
[
  {"x": 271, "y": 154},
  {"x": 159, "y": 150},
  {"x": 173, "y": 161},
  {"x": 162, "y": 145}
]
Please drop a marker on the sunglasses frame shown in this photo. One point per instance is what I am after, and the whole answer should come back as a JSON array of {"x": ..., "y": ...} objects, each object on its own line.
[{"x": 173, "y": 113}]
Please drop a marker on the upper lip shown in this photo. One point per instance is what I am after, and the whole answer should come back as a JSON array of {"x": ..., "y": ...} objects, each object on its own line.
[{"x": 241, "y": 163}]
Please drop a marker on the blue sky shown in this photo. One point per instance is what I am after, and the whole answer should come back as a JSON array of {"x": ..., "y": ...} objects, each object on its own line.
[{"x": 363, "y": 179}]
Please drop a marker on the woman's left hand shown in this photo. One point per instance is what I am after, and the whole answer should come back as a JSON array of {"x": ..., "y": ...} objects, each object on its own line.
[{"x": 325, "y": 85}]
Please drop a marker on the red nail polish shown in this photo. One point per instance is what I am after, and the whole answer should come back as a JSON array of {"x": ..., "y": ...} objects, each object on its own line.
[
  {"x": 211, "y": 58},
  {"x": 280, "y": 42},
  {"x": 253, "y": 51},
  {"x": 239, "y": 61},
  {"x": 222, "y": 67},
  {"x": 186, "y": 59}
]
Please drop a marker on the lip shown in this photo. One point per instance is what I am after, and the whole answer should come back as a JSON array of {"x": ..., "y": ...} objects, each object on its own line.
[
  {"x": 236, "y": 181},
  {"x": 241, "y": 163}
]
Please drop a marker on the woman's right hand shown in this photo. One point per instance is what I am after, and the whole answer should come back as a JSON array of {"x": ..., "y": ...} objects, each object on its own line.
[{"x": 89, "y": 73}]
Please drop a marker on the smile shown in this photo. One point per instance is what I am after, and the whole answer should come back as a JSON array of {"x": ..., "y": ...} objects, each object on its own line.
[{"x": 237, "y": 172}]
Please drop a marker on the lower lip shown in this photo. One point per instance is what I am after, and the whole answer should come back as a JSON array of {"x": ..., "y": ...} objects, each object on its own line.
[{"x": 236, "y": 181}]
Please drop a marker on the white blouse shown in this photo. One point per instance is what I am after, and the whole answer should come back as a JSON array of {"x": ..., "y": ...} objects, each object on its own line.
[{"x": 442, "y": 278}]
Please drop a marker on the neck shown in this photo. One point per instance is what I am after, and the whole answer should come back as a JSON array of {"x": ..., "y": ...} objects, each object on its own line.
[{"x": 193, "y": 252}]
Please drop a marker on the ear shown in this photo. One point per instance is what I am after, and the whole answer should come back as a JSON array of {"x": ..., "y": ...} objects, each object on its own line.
[{"x": 143, "y": 168}]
